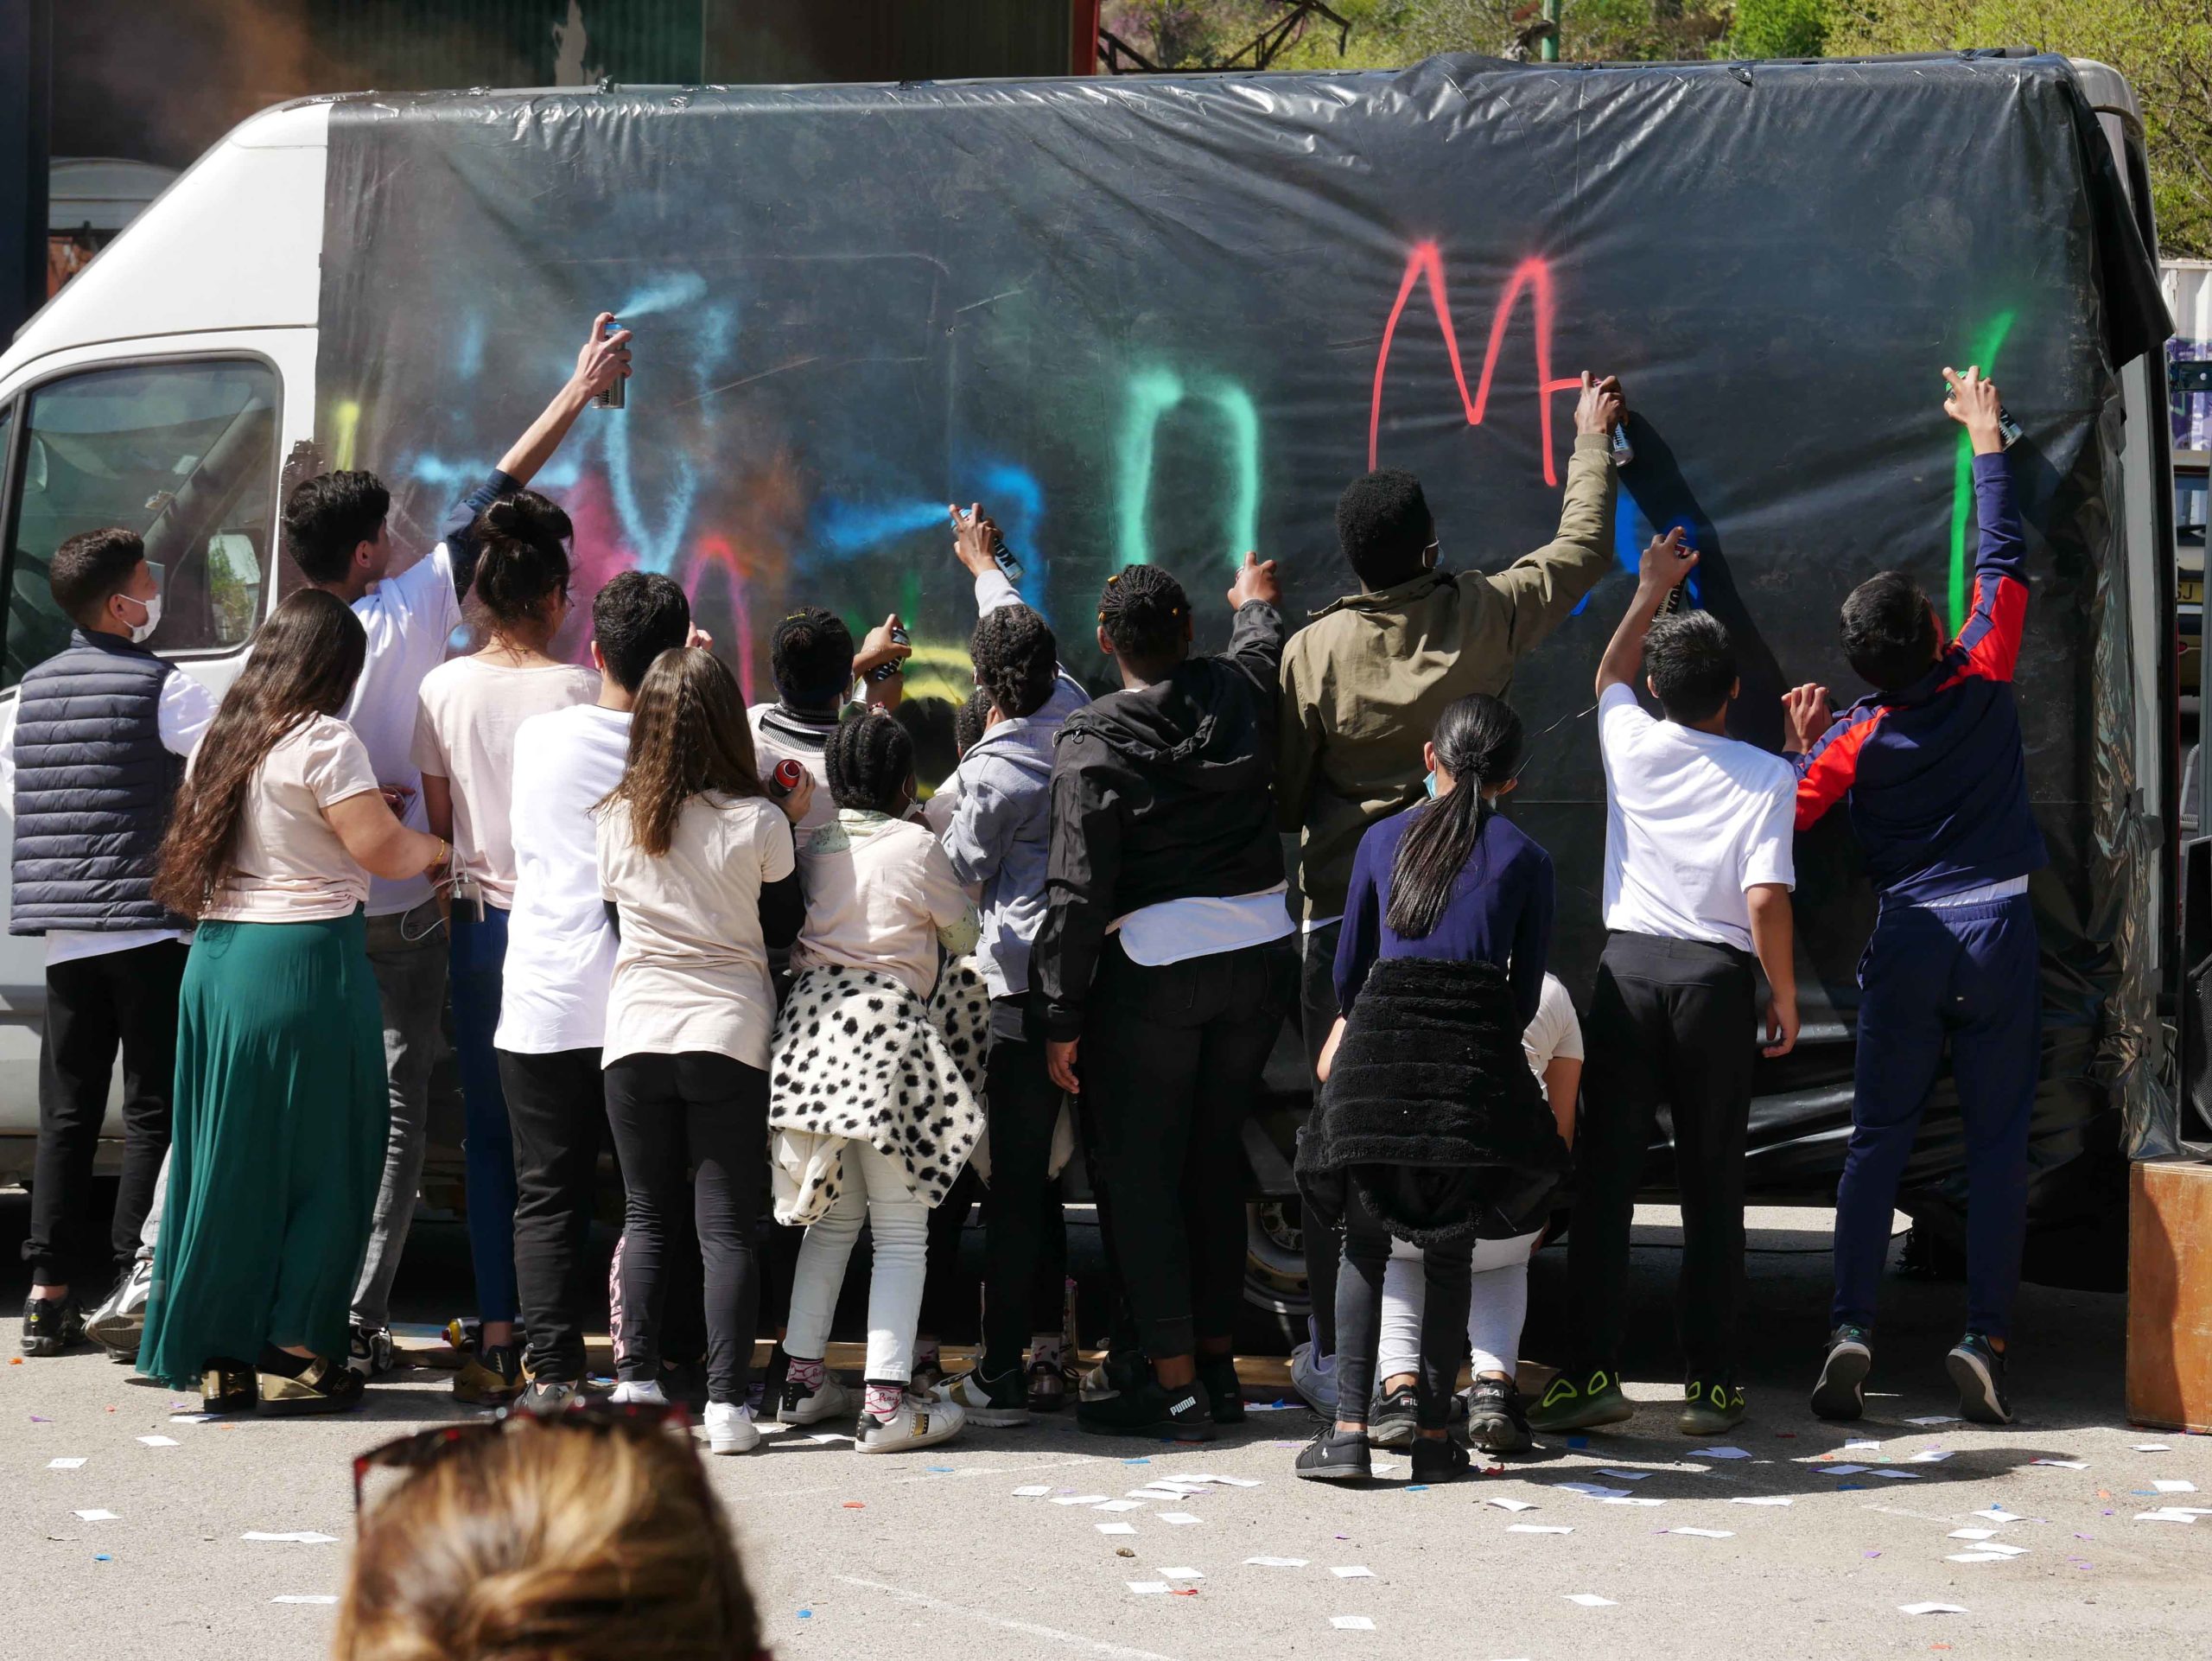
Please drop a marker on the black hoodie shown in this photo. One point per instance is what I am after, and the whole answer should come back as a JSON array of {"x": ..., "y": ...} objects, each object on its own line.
[{"x": 1160, "y": 793}]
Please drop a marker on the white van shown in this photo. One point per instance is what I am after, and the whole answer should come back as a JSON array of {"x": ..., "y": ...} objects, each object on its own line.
[{"x": 174, "y": 386}]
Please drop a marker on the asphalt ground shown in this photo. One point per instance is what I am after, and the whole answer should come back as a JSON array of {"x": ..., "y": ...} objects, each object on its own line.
[{"x": 932, "y": 1552}]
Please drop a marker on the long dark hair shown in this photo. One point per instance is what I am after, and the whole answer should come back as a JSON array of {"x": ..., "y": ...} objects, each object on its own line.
[
  {"x": 520, "y": 557},
  {"x": 688, "y": 733},
  {"x": 304, "y": 662},
  {"x": 1477, "y": 742}
]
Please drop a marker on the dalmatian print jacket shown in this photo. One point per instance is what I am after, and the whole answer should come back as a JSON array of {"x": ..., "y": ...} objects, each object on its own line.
[{"x": 856, "y": 1054}]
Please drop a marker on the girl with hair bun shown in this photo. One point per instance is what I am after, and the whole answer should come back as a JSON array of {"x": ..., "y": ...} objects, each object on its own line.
[
  {"x": 1431, "y": 1131},
  {"x": 465, "y": 728}
]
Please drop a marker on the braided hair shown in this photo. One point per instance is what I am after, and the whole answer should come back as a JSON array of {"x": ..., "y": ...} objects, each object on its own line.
[
  {"x": 1016, "y": 659},
  {"x": 969, "y": 720},
  {"x": 1478, "y": 742},
  {"x": 1146, "y": 616},
  {"x": 870, "y": 760},
  {"x": 521, "y": 556}
]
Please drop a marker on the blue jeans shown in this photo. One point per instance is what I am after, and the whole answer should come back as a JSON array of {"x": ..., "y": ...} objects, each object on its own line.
[
  {"x": 480, "y": 951},
  {"x": 1966, "y": 976}
]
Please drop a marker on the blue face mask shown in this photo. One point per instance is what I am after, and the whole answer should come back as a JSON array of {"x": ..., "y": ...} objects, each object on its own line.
[{"x": 1429, "y": 785}]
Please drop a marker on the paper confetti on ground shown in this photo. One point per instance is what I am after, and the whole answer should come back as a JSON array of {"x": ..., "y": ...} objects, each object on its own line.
[
  {"x": 2171, "y": 1484},
  {"x": 1182, "y": 1573},
  {"x": 1537, "y": 1527},
  {"x": 1034, "y": 1491},
  {"x": 1719, "y": 1453},
  {"x": 96, "y": 1516},
  {"x": 1624, "y": 1476},
  {"x": 1080, "y": 1499},
  {"x": 1352, "y": 1622},
  {"x": 1512, "y": 1504},
  {"x": 1147, "y": 1588},
  {"x": 1116, "y": 1528},
  {"x": 63, "y": 1464},
  {"x": 1593, "y": 1490},
  {"x": 1931, "y": 1609},
  {"x": 1761, "y": 1499},
  {"x": 1353, "y": 1572},
  {"x": 299, "y": 1536},
  {"x": 161, "y": 1442},
  {"x": 302, "y": 1597},
  {"x": 1277, "y": 1563},
  {"x": 2064, "y": 1464},
  {"x": 1590, "y": 1601},
  {"x": 1703, "y": 1534},
  {"x": 1120, "y": 1504}
]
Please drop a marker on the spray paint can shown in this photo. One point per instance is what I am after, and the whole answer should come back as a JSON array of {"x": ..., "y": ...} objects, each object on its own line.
[
  {"x": 611, "y": 398},
  {"x": 783, "y": 778},
  {"x": 1000, "y": 554},
  {"x": 885, "y": 670},
  {"x": 1624, "y": 452},
  {"x": 2009, "y": 431}
]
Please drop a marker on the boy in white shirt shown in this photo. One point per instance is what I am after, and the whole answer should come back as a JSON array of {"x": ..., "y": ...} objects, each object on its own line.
[
  {"x": 1699, "y": 834},
  {"x": 334, "y": 532}
]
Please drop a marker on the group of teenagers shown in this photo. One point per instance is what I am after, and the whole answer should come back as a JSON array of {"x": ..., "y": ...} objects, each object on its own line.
[{"x": 790, "y": 982}]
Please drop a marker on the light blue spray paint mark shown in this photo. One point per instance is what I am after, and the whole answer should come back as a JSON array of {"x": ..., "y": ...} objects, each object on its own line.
[
  {"x": 1012, "y": 494},
  {"x": 655, "y": 550},
  {"x": 1151, "y": 394},
  {"x": 662, "y": 294},
  {"x": 468, "y": 347},
  {"x": 844, "y": 529},
  {"x": 716, "y": 339},
  {"x": 562, "y": 473}
]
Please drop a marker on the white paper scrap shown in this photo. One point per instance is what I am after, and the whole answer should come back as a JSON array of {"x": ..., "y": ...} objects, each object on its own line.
[
  {"x": 64, "y": 1464},
  {"x": 1761, "y": 1499},
  {"x": 1199, "y": 1477},
  {"x": 1719, "y": 1453},
  {"x": 1593, "y": 1490},
  {"x": 1930, "y": 1609},
  {"x": 1895, "y": 1475},
  {"x": 1977, "y": 1557},
  {"x": 1624, "y": 1476},
  {"x": 1154, "y": 1493},
  {"x": 1239, "y": 1481},
  {"x": 1935, "y": 1418},
  {"x": 1511, "y": 1504},
  {"x": 2165, "y": 1514},
  {"x": 1630, "y": 1499},
  {"x": 1993, "y": 1515},
  {"x": 1703, "y": 1534},
  {"x": 1352, "y": 1622},
  {"x": 298, "y": 1537},
  {"x": 1178, "y": 1518},
  {"x": 1116, "y": 1528},
  {"x": 2173, "y": 1485},
  {"x": 2064, "y": 1464},
  {"x": 1837, "y": 1470},
  {"x": 1851, "y": 1447},
  {"x": 96, "y": 1516},
  {"x": 1590, "y": 1601},
  {"x": 1537, "y": 1527},
  {"x": 1148, "y": 1589},
  {"x": 1353, "y": 1572},
  {"x": 2003, "y": 1549},
  {"x": 1036, "y": 1490},
  {"x": 1277, "y": 1563},
  {"x": 1182, "y": 1573},
  {"x": 1974, "y": 1534},
  {"x": 161, "y": 1442},
  {"x": 1080, "y": 1499},
  {"x": 1119, "y": 1505},
  {"x": 1930, "y": 1456},
  {"x": 304, "y": 1597},
  {"x": 2149, "y": 1448}
]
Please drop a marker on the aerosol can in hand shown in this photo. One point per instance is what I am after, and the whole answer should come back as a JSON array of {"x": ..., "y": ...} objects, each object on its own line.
[
  {"x": 612, "y": 398},
  {"x": 1000, "y": 552},
  {"x": 783, "y": 778}
]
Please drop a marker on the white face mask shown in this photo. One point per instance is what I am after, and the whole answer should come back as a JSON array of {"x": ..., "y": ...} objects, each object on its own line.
[{"x": 139, "y": 632}]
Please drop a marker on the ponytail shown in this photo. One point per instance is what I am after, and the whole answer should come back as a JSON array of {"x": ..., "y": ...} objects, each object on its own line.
[
  {"x": 1478, "y": 742},
  {"x": 521, "y": 556}
]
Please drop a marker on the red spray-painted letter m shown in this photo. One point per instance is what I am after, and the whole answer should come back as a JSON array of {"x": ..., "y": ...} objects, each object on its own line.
[{"x": 1534, "y": 276}]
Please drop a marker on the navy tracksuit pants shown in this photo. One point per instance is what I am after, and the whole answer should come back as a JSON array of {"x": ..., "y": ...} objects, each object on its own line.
[{"x": 1965, "y": 976}]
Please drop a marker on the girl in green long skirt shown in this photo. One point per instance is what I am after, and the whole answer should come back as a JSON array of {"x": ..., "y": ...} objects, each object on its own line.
[{"x": 280, "y": 1108}]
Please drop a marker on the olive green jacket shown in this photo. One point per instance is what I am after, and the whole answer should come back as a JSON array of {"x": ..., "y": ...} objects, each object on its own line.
[{"x": 1363, "y": 683}]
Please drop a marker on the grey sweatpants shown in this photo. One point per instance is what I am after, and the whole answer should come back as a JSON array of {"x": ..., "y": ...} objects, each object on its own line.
[{"x": 407, "y": 954}]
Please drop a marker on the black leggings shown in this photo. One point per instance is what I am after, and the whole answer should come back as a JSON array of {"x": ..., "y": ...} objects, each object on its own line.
[
  {"x": 557, "y": 1104},
  {"x": 1359, "y": 1318},
  {"x": 671, "y": 1114}
]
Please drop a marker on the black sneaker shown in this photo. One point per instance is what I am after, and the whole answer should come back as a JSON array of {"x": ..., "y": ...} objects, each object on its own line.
[
  {"x": 1145, "y": 1409},
  {"x": 1224, "y": 1393},
  {"x": 1840, "y": 1395},
  {"x": 1334, "y": 1456},
  {"x": 1710, "y": 1406},
  {"x": 1439, "y": 1459},
  {"x": 1496, "y": 1421},
  {"x": 1390, "y": 1424},
  {"x": 51, "y": 1325},
  {"x": 1977, "y": 1367}
]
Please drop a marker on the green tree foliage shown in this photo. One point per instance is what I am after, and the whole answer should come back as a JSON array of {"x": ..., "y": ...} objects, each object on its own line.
[{"x": 1777, "y": 29}]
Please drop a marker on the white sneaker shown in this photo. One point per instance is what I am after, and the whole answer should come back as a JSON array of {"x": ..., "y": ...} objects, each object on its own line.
[
  {"x": 1315, "y": 1380},
  {"x": 827, "y": 1400},
  {"x": 117, "y": 1323},
  {"x": 730, "y": 1429},
  {"x": 639, "y": 1393},
  {"x": 920, "y": 1422}
]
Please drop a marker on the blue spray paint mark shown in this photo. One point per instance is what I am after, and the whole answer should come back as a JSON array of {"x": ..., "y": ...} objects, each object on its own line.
[
  {"x": 662, "y": 294},
  {"x": 561, "y": 474},
  {"x": 468, "y": 347},
  {"x": 1013, "y": 496},
  {"x": 655, "y": 551},
  {"x": 844, "y": 529},
  {"x": 717, "y": 338}
]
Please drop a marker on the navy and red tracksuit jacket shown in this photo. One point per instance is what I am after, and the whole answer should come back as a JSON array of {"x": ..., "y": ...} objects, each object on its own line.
[{"x": 1937, "y": 775}]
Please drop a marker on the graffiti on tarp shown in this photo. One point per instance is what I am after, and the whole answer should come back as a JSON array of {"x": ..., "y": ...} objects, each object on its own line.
[
  {"x": 1533, "y": 277},
  {"x": 1151, "y": 395},
  {"x": 1983, "y": 355}
]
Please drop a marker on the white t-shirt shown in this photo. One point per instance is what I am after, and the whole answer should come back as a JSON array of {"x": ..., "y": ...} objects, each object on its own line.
[
  {"x": 560, "y": 947},
  {"x": 410, "y": 619},
  {"x": 182, "y": 711},
  {"x": 1203, "y": 926},
  {"x": 1555, "y": 1034},
  {"x": 692, "y": 971},
  {"x": 880, "y": 894},
  {"x": 465, "y": 724},
  {"x": 287, "y": 865},
  {"x": 1692, "y": 821}
]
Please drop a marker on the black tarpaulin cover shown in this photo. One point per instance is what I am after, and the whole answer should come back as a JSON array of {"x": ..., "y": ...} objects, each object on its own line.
[{"x": 1167, "y": 319}]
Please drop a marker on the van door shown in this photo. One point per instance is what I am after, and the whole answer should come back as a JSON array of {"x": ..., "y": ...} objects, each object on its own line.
[{"x": 181, "y": 441}]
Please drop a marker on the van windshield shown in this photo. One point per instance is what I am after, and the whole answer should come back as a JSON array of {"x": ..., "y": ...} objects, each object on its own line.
[{"x": 185, "y": 454}]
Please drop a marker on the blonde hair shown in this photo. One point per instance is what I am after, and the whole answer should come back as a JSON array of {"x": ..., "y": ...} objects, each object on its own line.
[{"x": 552, "y": 1542}]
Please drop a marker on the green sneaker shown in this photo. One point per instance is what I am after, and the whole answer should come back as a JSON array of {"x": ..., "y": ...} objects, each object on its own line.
[
  {"x": 1567, "y": 1407},
  {"x": 1707, "y": 1410}
]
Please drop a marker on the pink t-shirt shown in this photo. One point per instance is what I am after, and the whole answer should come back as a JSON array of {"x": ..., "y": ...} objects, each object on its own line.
[
  {"x": 880, "y": 894},
  {"x": 287, "y": 865}
]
